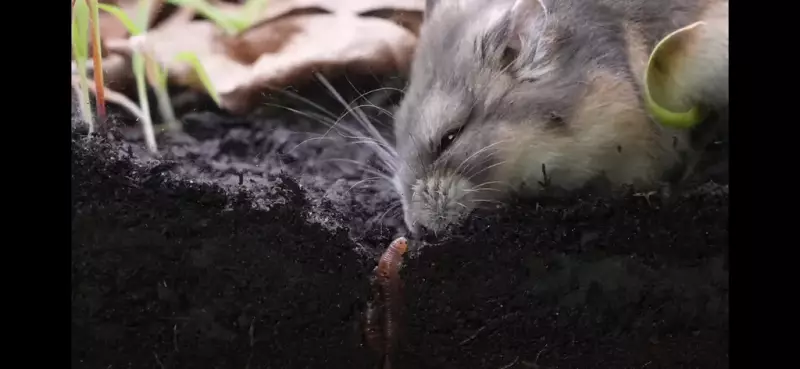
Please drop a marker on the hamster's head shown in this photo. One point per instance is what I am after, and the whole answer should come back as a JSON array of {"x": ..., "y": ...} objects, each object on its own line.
[
  {"x": 455, "y": 119},
  {"x": 497, "y": 90}
]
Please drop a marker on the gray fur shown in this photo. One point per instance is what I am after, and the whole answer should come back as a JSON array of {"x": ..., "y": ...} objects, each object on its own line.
[
  {"x": 429, "y": 5},
  {"x": 460, "y": 81}
]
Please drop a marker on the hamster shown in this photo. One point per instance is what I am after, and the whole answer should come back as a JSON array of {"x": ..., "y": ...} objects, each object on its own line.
[{"x": 501, "y": 89}]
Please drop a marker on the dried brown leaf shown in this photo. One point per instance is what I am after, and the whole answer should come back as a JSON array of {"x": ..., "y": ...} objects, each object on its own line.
[
  {"x": 281, "y": 8},
  {"x": 112, "y": 29},
  {"x": 294, "y": 39}
]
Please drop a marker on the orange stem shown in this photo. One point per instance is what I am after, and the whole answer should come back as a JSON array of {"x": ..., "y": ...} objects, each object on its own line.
[{"x": 97, "y": 57}]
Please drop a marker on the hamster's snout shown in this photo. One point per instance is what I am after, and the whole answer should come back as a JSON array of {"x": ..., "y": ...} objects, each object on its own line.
[{"x": 437, "y": 202}]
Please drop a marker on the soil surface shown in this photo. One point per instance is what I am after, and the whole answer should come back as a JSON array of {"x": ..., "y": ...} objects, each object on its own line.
[{"x": 249, "y": 242}]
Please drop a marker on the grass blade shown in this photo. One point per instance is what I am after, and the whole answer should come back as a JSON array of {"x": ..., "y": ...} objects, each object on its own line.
[
  {"x": 80, "y": 21},
  {"x": 209, "y": 11},
  {"x": 141, "y": 88},
  {"x": 122, "y": 17},
  {"x": 201, "y": 73},
  {"x": 251, "y": 11},
  {"x": 157, "y": 77},
  {"x": 80, "y": 45},
  {"x": 154, "y": 73},
  {"x": 143, "y": 12}
]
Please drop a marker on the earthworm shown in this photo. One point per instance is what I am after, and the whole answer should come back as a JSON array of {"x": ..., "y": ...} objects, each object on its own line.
[{"x": 387, "y": 294}]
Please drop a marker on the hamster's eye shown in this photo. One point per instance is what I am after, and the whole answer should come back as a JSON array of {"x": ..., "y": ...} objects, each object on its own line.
[{"x": 448, "y": 139}]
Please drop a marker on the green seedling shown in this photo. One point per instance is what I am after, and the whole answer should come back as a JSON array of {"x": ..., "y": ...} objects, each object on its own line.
[
  {"x": 85, "y": 19},
  {"x": 153, "y": 72},
  {"x": 136, "y": 28},
  {"x": 147, "y": 70},
  {"x": 157, "y": 78},
  {"x": 232, "y": 24},
  {"x": 205, "y": 79}
]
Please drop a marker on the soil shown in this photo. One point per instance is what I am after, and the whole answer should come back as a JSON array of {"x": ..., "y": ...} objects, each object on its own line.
[{"x": 247, "y": 243}]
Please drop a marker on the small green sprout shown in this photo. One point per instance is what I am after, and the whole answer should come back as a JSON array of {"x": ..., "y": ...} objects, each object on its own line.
[
  {"x": 231, "y": 24},
  {"x": 157, "y": 78},
  {"x": 85, "y": 19},
  {"x": 205, "y": 79},
  {"x": 147, "y": 70},
  {"x": 136, "y": 28}
]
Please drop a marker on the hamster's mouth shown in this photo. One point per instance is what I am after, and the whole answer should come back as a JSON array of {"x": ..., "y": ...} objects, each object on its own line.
[{"x": 439, "y": 203}]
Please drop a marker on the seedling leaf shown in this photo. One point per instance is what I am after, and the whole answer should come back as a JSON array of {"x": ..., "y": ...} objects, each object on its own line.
[
  {"x": 122, "y": 17},
  {"x": 192, "y": 59},
  {"x": 80, "y": 30},
  {"x": 157, "y": 77},
  {"x": 251, "y": 11},
  {"x": 209, "y": 11},
  {"x": 143, "y": 12},
  {"x": 80, "y": 45},
  {"x": 141, "y": 89}
]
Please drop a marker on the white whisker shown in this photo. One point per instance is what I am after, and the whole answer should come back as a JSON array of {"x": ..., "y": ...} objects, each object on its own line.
[
  {"x": 362, "y": 181},
  {"x": 394, "y": 207},
  {"x": 360, "y": 116},
  {"x": 478, "y": 152},
  {"x": 365, "y": 167},
  {"x": 309, "y": 102},
  {"x": 485, "y": 169}
]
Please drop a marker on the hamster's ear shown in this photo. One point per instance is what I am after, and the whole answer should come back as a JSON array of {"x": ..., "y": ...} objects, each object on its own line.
[
  {"x": 688, "y": 73},
  {"x": 527, "y": 19},
  {"x": 519, "y": 38}
]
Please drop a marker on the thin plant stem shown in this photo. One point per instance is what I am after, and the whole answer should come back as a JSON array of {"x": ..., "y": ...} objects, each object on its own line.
[
  {"x": 116, "y": 98},
  {"x": 158, "y": 80},
  {"x": 141, "y": 89},
  {"x": 80, "y": 14},
  {"x": 94, "y": 21},
  {"x": 83, "y": 96},
  {"x": 165, "y": 109}
]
